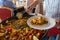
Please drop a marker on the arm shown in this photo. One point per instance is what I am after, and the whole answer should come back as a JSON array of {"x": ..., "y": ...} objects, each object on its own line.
[
  {"x": 9, "y": 4},
  {"x": 32, "y": 5}
]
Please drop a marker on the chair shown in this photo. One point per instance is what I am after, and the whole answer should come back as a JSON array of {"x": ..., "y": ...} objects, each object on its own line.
[{"x": 5, "y": 13}]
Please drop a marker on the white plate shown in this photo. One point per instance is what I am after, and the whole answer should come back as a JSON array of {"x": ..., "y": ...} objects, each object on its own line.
[{"x": 51, "y": 23}]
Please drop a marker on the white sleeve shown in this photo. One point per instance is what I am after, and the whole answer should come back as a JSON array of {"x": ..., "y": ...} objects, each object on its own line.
[{"x": 45, "y": 4}]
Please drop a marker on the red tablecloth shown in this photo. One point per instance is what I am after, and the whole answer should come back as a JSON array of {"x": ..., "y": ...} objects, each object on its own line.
[{"x": 53, "y": 31}]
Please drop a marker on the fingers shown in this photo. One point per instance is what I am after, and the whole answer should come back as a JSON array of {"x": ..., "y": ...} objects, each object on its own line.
[
  {"x": 32, "y": 5},
  {"x": 44, "y": 12},
  {"x": 57, "y": 22}
]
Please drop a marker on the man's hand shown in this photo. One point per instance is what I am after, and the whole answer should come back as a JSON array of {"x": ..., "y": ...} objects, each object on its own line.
[
  {"x": 44, "y": 12},
  {"x": 57, "y": 22},
  {"x": 32, "y": 5}
]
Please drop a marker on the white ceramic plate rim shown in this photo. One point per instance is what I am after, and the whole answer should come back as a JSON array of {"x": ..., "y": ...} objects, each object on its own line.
[{"x": 51, "y": 23}]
